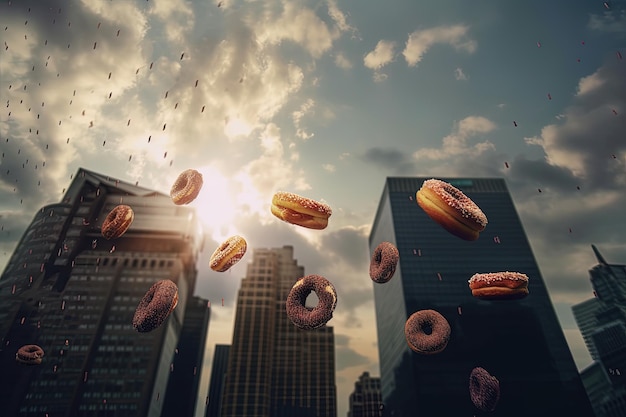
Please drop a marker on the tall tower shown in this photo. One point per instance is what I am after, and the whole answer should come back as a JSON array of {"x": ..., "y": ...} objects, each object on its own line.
[
  {"x": 365, "y": 400},
  {"x": 602, "y": 322},
  {"x": 218, "y": 377},
  {"x": 520, "y": 342},
  {"x": 274, "y": 368},
  {"x": 73, "y": 293}
]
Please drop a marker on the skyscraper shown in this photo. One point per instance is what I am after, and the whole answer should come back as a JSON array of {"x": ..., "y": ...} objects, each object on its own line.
[
  {"x": 182, "y": 387},
  {"x": 274, "y": 368},
  {"x": 602, "y": 322},
  {"x": 365, "y": 400},
  {"x": 218, "y": 377},
  {"x": 73, "y": 293},
  {"x": 520, "y": 342}
]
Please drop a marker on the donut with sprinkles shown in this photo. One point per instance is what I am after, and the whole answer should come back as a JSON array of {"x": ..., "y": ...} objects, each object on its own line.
[
  {"x": 311, "y": 318},
  {"x": 427, "y": 332},
  {"x": 186, "y": 187},
  {"x": 484, "y": 389},
  {"x": 155, "y": 306},
  {"x": 384, "y": 261},
  {"x": 300, "y": 211},
  {"x": 29, "y": 355}
]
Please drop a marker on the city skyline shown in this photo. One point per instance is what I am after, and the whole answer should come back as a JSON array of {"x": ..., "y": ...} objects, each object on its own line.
[
  {"x": 518, "y": 341},
  {"x": 324, "y": 99},
  {"x": 74, "y": 293}
]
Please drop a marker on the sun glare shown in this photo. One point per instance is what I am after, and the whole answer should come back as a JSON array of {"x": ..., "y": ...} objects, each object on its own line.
[{"x": 215, "y": 204}]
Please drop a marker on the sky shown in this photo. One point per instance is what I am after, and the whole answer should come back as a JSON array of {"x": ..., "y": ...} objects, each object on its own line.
[{"x": 324, "y": 99}]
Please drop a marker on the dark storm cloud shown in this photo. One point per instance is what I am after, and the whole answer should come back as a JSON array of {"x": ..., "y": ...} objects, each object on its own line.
[
  {"x": 346, "y": 357},
  {"x": 386, "y": 158}
]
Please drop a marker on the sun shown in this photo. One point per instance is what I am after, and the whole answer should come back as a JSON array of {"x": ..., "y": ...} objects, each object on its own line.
[{"x": 215, "y": 205}]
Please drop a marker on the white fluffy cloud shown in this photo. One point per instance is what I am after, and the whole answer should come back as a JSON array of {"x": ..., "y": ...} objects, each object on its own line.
[
  {"x": 421, "y": 40},
  {"x": 382, "y": 54},
  {"x": 456, "y": 142}
]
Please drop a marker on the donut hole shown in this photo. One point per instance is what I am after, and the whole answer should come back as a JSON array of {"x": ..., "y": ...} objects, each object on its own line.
[
  {"x": 311, "y": 301},
  {"x": 427, "y": 328}
]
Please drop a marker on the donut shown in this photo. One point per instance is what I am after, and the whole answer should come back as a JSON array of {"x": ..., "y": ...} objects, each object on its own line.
[
  {"x": 301, "y": 211},
  {"x": 155, "y": 306},
  {"x": 228, "y": 253},
  {"x": 117, "y": 222},
  {"x": 311, "y": 318},
  {"x": 427, "y": 332},
  {"x": 186, "y": 187},
  {"x": 29, "y": 355},
  {"x": 452, "y": 209},
  {"x": 499, "y": 285},
  {"x": 484, "y": 389},
  {"x": 383, "y": 263}
]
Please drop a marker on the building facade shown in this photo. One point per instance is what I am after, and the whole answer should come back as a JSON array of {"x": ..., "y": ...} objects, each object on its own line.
[
  {"x": 520, "y": 342},
  {"x": 73, "y": 293},
  {"x": 216, "y": 383},
  {"x": 274, "y": 368},
  {"x": 366, "y": 400},
  {"x": 602, "y": 322}
]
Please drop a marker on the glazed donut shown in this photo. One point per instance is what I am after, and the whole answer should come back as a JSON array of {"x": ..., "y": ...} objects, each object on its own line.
[
  {"x": 383, "y": 263},
  {"x": 155, "y": 306},
  {"x": 228, "y": 253},
  {"x": 29, "y": 355},
  {"x": 427, "y": 332},
  {"x": 300, "y": 211},
  {"x": 499, "y": 285},
  {"x": 484, "y": 389},
  {"x": 186, "y": 187},
  {"x": 306, "y": 318},
  {"x": 452, "y": 209},
  {"x": 117, "y": 222}
]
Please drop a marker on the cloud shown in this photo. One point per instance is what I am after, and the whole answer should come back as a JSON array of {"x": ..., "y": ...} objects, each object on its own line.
[
  {"x": 456, "y": 143},
  {"x": 297, "y": 118},
  {"x": 421, "y": 40},
  {"x": 329, "y": 167},
  {"x": 613, "y": 21},
  {"x": 597, "y": 111},
  {"x": 342, "y": 61},
  {"x": 388, "y": 158},
  {"x": 382, "y": 54},
  {"x": 460, "y": 75}
]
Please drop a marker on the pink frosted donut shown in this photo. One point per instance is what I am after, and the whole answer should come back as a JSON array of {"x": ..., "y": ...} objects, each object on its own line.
[
  {"x": 117, "y": 222},
  {"x": 427, "y": 332},
  {"x": 383, "y": 263},
  {"x": 228, "y": 253},
  {"x": 307, "y": 318},
  {"x": 29, "y": 355},
  {"x": 187, "y": 187},
  {"x": 484, "y": 389},
  {"x": 155, "y": 306}
]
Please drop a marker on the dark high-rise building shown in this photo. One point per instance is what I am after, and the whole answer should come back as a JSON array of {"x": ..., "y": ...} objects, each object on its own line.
[
  {"x": 182, "y": 387},
  {"x": 602, "y": 322},
  {"x": 520, "y": 342},
  {"x": 74, "y": 293},
  {"x": 218, "y": 377},
  {"x": 365, "y": 400},
  {"x": 274, "y": 368}
]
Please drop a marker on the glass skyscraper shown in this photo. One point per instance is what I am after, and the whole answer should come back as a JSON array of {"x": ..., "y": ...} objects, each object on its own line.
[
  {"x": 73, "y": 293},
  {"x": 274, "y": 368},
  {"x": 520, "y": 342}
]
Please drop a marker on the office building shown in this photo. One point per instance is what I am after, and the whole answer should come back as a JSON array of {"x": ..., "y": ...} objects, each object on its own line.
[
  {"x": 216, "y": 383},
  {"x": 520, "y": 342},
  {"x": 365, "y": 400},
  {"x": 184, "y": 381},
  {"x": 602, "y": 322},
  {"x": 74, "y": 293},
  {"x": 274, "y": 368}
]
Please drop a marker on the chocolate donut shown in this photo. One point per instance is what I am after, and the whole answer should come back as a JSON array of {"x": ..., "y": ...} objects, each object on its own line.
[
  {"x": 155, "y": 306},
  {"x": 228, "y": 253},
  {"x": 451, "y": 209},
  {"x": 383, "y": 263},
  {"x": 427, "y": 332},
  {"x": 306, "y": 318},
  {"x": 117, "y": 222},
  {"x": 186, "y": 187},
  {"x": 484, "y": 389},
  {"x": 29, "y": 355}
]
